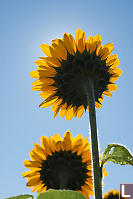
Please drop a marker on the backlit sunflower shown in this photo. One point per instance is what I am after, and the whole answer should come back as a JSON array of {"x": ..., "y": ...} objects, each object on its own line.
[
  {"x": 60, "y": 164},
  {"x": 69, "y": 63},
  {"x": 112, "y": 194}
]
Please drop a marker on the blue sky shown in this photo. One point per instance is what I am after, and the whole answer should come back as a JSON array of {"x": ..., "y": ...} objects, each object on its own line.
[{"x": 24, "y": 26}]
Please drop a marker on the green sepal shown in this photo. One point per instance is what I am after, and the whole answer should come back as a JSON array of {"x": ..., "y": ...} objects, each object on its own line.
[
  {"x": 118, "y": 154},
  {"x": 60, "y": 194},
  {"x": 22, "y": 197}
]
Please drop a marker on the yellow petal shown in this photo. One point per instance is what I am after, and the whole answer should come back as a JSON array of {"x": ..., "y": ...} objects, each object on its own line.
[
  {"x": 67, "y": 141},
  {"x": 58, "y": 41},
  {"x": 52, "y": 143},
  {"x": 45, "y": 144},
  {"x": 58, "y": 145},
  {"x": 101, "y": 98},
  {"x": 62, "y": 113},
  {"x": 35, "y": 156},
  {"x": 68, "y": 43},
  {"x": 64, "y": 106},
  {"x": 117, "y": 71},
  {"x": 42, "y": 63},
  {"x": 85, "y": 146},
  {"x": 30, "y": 173},
  {"x": 73, "y": 44},
  {"x": 37, "y": 187},
  {"x": 45, "y": 49},
  {"x": 44, "y": 81},
  {"x": 50, "y": 98},
  {"x": 44, "y": 88},
  {"x": 76, "y": 148},
  {"x": 52, "y": 60},
  {"x": 32, "y": 164},
  {"x": 80, "y": 111},
  {"x": 110, "y": 46},
  {"x": 106, "y": 50},
  {"x": 111, "y": 87},
  {"x": 55, "y": 106},
  {"x": 57, "y": 110},
  {"x": 96, "y": 43},
  {"x": 85, "y": 154},
  {"x": 111, "y": 59},
  {"x": 78, "y": 35},
  {"x": 55, "y": 41},
  {"x": 113, "y": 79},
  {"x": 87, "y": 160},
  {"x": 69, "y": 113},
  {"x": 81, "y": 150},
  {"x": 115, "y": 64},
  {"x": 78, "y": 140},
  {"x": 104, "y": 53},
  {"x": 61, "y": 51},
  {"x": 86, "y": 141},
  {"x": 49, "y": 72},
  {"x": 75, "y": 111},
  {"x": 63, "y": 110},
  {"x": 97, "y": 38},
  {"x": 57, "y": 137},
  {"x": 90, "y": 189},
  {"x": 47, "y": 104},
  {"x": 38, "y": 88},
  {"x": 54, "y": 53},
  {"x": 67, "y": 133},
  {"x": 97, "y": 105},
  {"x": 38, "y": 146},
  {"x": 89, "y": 42},
  {"x": 40, "y": 151},
  {"x": 107, "y": 93},
  {"x": 85, "y": 192},
  {"x": 45, "y": 95},
  {"x": 80, "y": 38},
  {"x": 33, "y": 181},
  {"x": 42, "y": 189},
  {"x": 49, "y": 89}
]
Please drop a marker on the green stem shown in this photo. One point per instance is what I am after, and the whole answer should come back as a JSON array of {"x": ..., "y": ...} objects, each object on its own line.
[{"x": 94, "y": 140}]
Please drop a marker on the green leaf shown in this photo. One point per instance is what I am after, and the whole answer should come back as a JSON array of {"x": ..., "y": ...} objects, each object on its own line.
[
  {"x": 21, "y": 197},
  {"x": 60, "y": 194},
  {"x": 118, "y": 154}
]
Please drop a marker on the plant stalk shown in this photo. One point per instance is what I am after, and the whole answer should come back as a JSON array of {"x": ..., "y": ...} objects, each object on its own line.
[{"x": 94, "y": 140}]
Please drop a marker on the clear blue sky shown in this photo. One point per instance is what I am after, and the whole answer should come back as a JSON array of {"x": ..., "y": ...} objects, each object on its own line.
[{"x": 24, "y": 26}]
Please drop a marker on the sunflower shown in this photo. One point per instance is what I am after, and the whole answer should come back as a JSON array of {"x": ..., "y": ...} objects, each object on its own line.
[
  {"x": 63, "y": 73},
  {"x": 112, "y": 194},
  {"x": 60, "y": 164}
]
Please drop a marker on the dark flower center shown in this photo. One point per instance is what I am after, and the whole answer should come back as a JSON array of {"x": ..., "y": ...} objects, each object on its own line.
[
  {"x": 72, "y": 76},
  {"x": 64, "y": 170}
]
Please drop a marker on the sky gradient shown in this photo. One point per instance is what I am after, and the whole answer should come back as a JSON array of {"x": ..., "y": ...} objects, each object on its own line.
[{"x": 24, "y": 26}]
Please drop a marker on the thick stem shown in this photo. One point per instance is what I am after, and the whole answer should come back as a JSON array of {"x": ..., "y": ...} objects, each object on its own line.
[{"x": 94, "y": 140}]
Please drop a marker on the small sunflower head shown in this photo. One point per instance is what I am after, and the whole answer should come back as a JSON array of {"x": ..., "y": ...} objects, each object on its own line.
[
  {"x": 60, "y": 164},
  {"x": 64, "y": 72},
  {"x": 112, "y": 194}
]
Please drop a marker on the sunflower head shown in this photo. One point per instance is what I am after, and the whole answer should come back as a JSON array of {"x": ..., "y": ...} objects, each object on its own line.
[
  {"x": 112, "y": 194},
  {"x": 63, "y": 74},
  {"x": 60, "y": 164}
]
